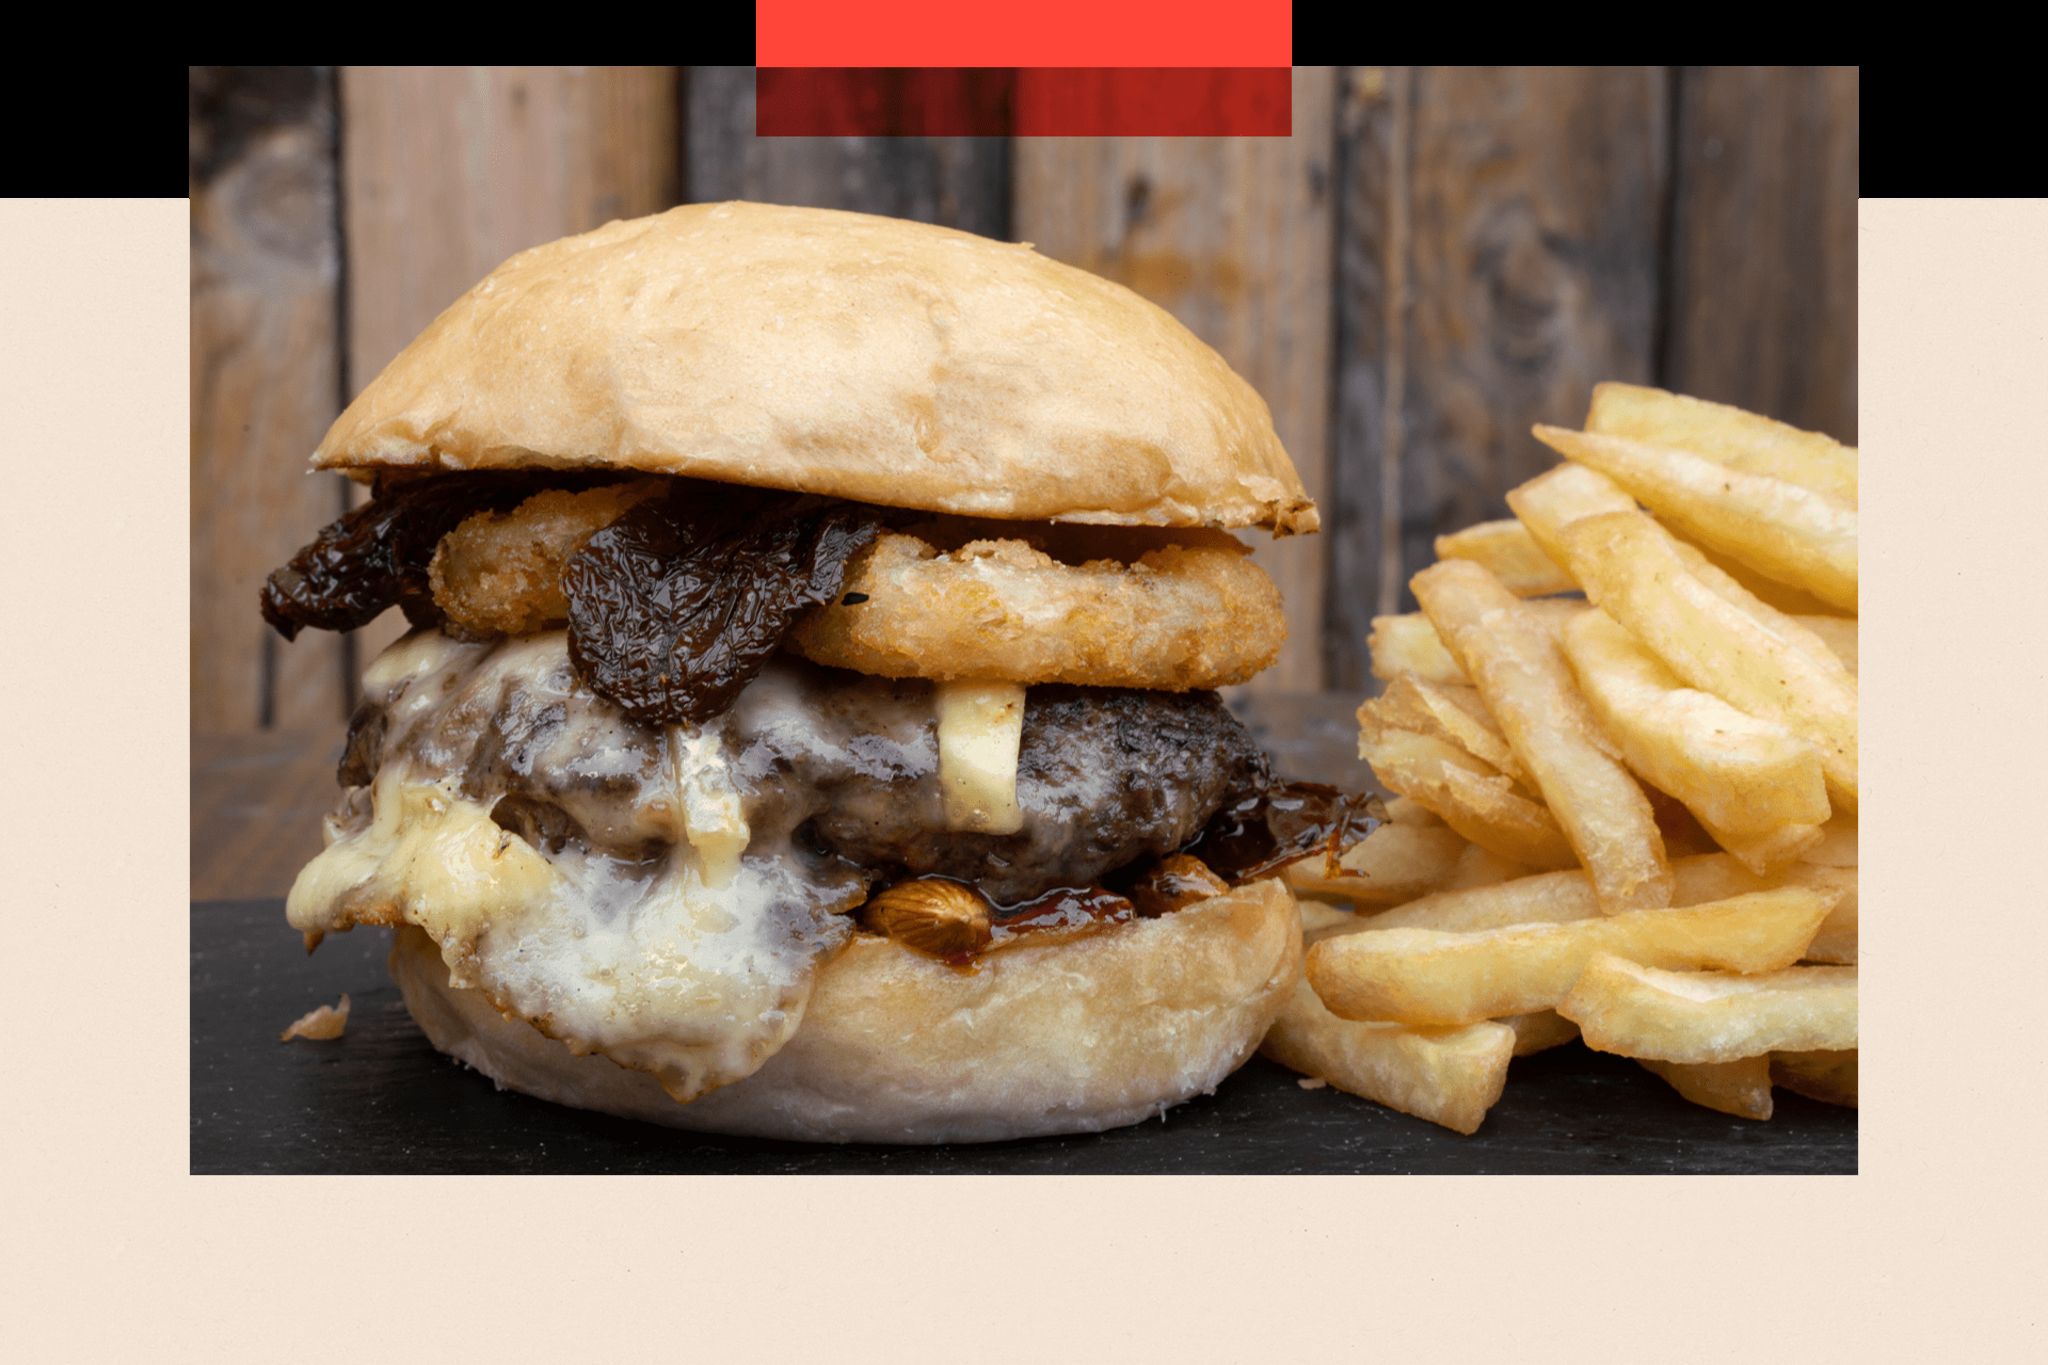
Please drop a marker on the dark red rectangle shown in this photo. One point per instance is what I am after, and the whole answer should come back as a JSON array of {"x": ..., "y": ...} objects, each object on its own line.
[
  {"x": 1033, "y": 101},
  {"x": 1088, "y": 33}
]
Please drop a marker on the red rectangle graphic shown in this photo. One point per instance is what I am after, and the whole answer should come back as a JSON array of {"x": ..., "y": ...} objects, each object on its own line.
[
  {"x": 1023, "y": 101},
  {"x": 1121, "y": 33}
]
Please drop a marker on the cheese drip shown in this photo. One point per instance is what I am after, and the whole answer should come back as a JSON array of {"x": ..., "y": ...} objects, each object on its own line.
[{"x": 675, "y": 956}]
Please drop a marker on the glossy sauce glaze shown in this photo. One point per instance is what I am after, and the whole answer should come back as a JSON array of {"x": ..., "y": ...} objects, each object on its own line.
[
  {"x": 1248, "y": 839},
  {"x": 1266, "y": 830}
]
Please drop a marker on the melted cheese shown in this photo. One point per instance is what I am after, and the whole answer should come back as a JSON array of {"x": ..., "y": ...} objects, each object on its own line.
[
  {"x": 713, "y": 820},
  {"x": 980, "y": 728},
  {"x": 690, "y": 962}
]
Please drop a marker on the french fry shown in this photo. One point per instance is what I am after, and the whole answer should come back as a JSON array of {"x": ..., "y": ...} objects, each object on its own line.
[
  {"x": 1779, "y": 529},
  {"x": 1772, "y": 850},
  {"x": 1473, "y": 799},
  {"x": 1773, "y": 594},
  {"x": 1739, "y": 590},
  {"x": 1756, "y": 787},
  {"x": 1632, "y": 573},
  {"x": 1838, "y": 633},
  {"x": 1829, "y": 1077},
  {"x": 1406, "y": 810},
  {"x": 1545, "y": 898},
  {"x": 1394, "y": 863},
  {"x": 1837, "y": 846},
  {"x": 1449, "y": 712},
  {"x": 1738, "y": 439},
  {"x": 1319, "y": 918},
  {"x": 1450, "y": 1077},
  {"x": 1718, "y": 876},
  {"x": 1631, "y": 813},
  {"x": 1510, "y": 554},
  {"x": 1561, "y": 897},
  {"x": 1479, "y": 867},
  {"x": 1520, "y": 672},
  {"x": 1422, "y": 976},
  {"x": 1683, "y": 837},
  {"x": 1408, "y": 644},
  {"x": 1741, "y": 1087},
  {"x": 1555, "y": 613},
  {"x": 1835, "y": 941},
  {"x": 1540, "y": 1031},
  {"x": 1645, "y": 1011},
  {"x": 1553, "y": 500}
]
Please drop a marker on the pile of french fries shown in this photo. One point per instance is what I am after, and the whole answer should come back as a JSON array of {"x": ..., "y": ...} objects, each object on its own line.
[{"x": 1622, "y": 737}]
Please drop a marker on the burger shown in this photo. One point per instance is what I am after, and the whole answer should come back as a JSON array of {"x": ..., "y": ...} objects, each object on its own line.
[{"x": 808, "y": 724}]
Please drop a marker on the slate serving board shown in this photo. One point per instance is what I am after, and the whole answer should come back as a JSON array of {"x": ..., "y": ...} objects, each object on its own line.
[{"x": 381, "y": 1100}]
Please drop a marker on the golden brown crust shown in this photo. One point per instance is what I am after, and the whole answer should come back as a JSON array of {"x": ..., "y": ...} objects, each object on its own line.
[
  {"x": 896, "y": 1047},
  {"x": 500, "y": 573},
  {"x": 1181, "y": 617},
  {"x": 867, "y": 358}
]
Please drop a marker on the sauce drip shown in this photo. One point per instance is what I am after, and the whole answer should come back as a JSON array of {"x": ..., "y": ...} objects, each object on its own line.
[
  {"x": 1063, "y": 907},
  {"x": 1283, "y": 823},
  {"x": 1245, "y": 840}
]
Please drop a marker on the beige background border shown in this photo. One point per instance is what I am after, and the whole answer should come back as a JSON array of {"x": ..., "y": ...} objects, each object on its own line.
[{"x": 113, "y": 1252}]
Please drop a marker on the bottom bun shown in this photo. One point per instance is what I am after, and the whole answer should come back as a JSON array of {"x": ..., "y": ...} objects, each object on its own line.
[{"x": 895, "y": 1047}]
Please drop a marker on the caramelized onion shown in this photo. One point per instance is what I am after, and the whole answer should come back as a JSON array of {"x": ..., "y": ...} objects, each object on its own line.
[{"x": 674, "y": 607}]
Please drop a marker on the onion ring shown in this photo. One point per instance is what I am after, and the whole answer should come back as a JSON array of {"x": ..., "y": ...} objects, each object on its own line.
[
  {"x": 1179, "y": 618},
  {"x": 500, "y": 573}
]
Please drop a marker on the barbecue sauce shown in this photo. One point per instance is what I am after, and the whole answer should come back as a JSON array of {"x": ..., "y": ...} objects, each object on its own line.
[
  {"x": 1285, "y": 822},
  {"x": 1245, "y": 840}
]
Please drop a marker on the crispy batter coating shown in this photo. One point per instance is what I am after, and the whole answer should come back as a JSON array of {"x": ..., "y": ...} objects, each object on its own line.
[
  {"x": 1180, "y": 617},
  {"x": 1099, "y": 606},
  {"x": 501, "y": 573}
]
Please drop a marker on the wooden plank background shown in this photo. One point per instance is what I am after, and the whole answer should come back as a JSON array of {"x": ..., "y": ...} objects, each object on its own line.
[
  {"x": 266, "y": 380},
  {"x": 1438, "y": 257},
  {"x": 446, "y": 171}
]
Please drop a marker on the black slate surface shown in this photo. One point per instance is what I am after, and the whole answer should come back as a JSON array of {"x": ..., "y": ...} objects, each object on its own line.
[{"x": 381, "y": 1100}]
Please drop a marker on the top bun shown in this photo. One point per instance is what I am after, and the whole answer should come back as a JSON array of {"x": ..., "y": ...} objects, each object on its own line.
[{"x": 867, "y": 358}]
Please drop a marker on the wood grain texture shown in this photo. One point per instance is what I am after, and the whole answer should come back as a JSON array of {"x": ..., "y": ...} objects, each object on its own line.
[
  {"x": 446, "y": 171},
  {"x": 1498, "y": 254},
  {"x": 1536, "y": 199},
  {"x": 257, "y": 800},
  {"x": 1362, "y": 509},
  {"x": 1763, "y": 250},
  {"x": 1233, "y": 236},
  {"x": 958, "y": 182},
  {"x": 265, "y": 381}
]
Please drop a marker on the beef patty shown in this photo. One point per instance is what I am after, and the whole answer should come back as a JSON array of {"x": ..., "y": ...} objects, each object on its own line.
[{"x": 830, "y": 767}]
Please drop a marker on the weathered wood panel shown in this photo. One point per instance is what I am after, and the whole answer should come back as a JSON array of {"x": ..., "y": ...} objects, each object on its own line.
[
  {"x": 1763, "y": 250},
  {"x": 257, "y": 800},
  {"x": 1232, "y": 235},
  {"x": 1361, "y": 514},
  {"x": 447, "y": 171},
  {"x": 1536, "y": 199},
  {"x": 1499, "y": 256},
  {"x": 265, "y": 370},
  {"x": 959, "y": 182}
]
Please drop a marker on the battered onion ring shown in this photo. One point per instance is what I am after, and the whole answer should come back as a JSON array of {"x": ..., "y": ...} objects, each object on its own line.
[
  {"x": 1180, "y": 617},
  {"x": 501, "y": 573}
]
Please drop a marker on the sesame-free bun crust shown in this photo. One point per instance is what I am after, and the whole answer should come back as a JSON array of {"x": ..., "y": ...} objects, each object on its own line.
[
  {"x": 867, "y": 358},
  {"x": 895, "y": 1047}
]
